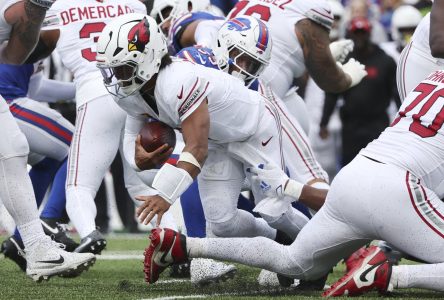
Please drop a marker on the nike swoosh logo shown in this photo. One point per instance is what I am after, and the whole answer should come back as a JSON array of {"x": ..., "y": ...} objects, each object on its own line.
[
  {"x": 57, "y": 261},
  {"x": 267, "y": 141},
  {"x": 181, "y": 94},
  {"x": 363, "y": 276},
  {"x": 50, "y": 229},
  {"x": 162, "y": 258}
]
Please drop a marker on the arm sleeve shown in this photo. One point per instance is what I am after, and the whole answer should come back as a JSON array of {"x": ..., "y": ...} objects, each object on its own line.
[
  {"x": 133, "y": 126},
  {"x": 206, "y": 32},
  {"x": 48, "y": 90},
  {"x": 329, "y": 107}
]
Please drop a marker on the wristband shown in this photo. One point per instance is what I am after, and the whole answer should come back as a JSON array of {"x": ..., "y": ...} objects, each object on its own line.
[
  {"x": 46, "y": 4},
  {"x": 293, "y": 189},
  {"x": 189, "y": 158},
  {"x": 171, "y": 182}
]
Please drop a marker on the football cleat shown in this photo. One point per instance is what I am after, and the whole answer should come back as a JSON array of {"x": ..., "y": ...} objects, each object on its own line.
[
  {"x": 353, "y": 260},
  {"x": 181, "y": 270},
  {"x": 373, "y": 272},
  {"x": 268, "y": 279},
  {"x": 167, "y": 247},
  {"x": 47, "y": 259},
  {"x": 12, "y": 248},
  {"x": 57, "y": 231},
  {"x": 93, "y": 243},
  {"x": 205, "y": 271}
]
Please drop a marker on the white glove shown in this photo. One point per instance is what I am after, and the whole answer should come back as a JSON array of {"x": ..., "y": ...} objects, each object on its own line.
[
  {"x": 46, "y": 4},
  {"x": 274, "y": 183},
  {"x": 355, "y": 70},
  {"x": 340, "y": 49}
]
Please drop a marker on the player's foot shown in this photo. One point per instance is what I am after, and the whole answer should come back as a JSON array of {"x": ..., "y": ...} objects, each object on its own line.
[
  {"x": 355, "y": 259},
  {"x": 313, "y": 285},
  {"x": 167, "y": 247},
  {"x": 57, "y": 231},
  {"x": 12, "y": 248},
  {"x": 373, "y": 272},
  {"x": 94, "y": 243},
  {"x": 268, "y": 279},
  {"x": 180, "y": 270},
  {"x": 47, "y": 259},
  {"x": 205, "y": 271}
]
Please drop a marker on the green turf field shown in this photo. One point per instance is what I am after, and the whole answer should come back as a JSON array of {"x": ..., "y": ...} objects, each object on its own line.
[{"x": 123, "y": 279}]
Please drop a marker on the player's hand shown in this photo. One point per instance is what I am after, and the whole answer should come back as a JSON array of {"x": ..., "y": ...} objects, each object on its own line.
[
  {"x": 355, "y": 70},
  {"x": 151, "y": 206},
  {"x": 150, "y": 160},
  {"x": 323, "y": 132},
  {"x": 270, "y": 178},
  {"x": 341, "y": 49}
]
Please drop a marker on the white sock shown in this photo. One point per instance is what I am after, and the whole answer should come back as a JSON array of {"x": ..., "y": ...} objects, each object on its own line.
[
  {"x": 81, "y": 209},
  {"x": 429, "y": 277},
  {"x": 18, "y": 197},
  {"x": 257, "y": 252},
  {"x": 31, "y": 233}
]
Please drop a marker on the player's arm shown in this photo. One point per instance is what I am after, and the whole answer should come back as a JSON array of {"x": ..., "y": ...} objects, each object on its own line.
[
  {"x": 329, "y": 75},
  {"x": 45, "y": 46},
  {"x": 187, "y": 37},
  {"x": 436, "y": 38},
  {"x": 26, "y": 19},
  {"x": 172, "y": 181}
]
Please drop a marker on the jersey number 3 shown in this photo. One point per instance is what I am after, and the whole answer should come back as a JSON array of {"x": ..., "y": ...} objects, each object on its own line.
[
  {"x": 85, "y": 33},
  {"x": 426, "y": 99}
]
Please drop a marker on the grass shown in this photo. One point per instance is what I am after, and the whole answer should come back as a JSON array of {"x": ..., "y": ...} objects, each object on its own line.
[{"x": 123, "y": 279}]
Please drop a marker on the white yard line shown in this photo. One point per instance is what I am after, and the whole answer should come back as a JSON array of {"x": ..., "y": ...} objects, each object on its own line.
[{"x": 203, "y": 296}]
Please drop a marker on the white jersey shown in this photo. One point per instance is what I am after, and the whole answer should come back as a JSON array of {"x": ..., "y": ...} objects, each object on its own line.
[
  {"x": 415, "y": 139},
  {"x": 420, "y": 38},
  {"x": 287, "y": 59},
  {"x": 5, "y": 28},
  {"x": 180, "y": 89},
  {"x": 80, "y": 23}
]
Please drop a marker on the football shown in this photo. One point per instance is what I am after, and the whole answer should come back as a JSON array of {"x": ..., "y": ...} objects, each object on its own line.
[{"x": 154, "y": 134}]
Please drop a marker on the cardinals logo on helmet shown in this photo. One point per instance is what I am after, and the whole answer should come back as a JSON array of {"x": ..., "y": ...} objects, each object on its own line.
[
  {"x": 239, "y": 24},
  {"x": 139, "y": 36}
]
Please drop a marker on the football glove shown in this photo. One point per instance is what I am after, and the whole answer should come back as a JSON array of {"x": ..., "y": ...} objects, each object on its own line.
[
  {"x": 341, "y": 49},
  {"x": 355, "y": 70}
]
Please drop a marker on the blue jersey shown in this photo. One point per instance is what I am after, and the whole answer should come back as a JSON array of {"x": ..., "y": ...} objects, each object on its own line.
[
  {"x": 14, "y": 80},
  {"x": 204, "y": 56},
  {"x": 181, "y": 24}
]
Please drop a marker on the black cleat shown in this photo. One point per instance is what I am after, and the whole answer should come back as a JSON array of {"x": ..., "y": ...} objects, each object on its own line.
[
  {"x": 93, "y": 243},
  {"x": 57, "y": 231},
  {"x": 12, "y": 248}
]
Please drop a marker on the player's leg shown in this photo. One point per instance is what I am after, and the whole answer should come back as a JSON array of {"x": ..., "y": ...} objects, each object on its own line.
[
  {"x": 17, "y": 196},
  {"x": 413, "y": 66},
  {"x": 95, "y": 143}
]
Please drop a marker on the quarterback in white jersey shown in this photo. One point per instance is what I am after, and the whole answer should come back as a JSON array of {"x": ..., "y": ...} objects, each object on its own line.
[
  {"x": 424, "y": 53},
  {"x": 72, "y": 28},
  {"x": 20, "y": 22},
  {"x": 209, "y": 107},
  {"x": 397, "y": 180}
]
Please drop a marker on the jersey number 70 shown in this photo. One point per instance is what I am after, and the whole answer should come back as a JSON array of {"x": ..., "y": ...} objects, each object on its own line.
[{"x": 426, "y": 99}]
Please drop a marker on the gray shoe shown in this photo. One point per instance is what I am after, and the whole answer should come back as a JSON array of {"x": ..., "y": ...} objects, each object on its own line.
[{"x": 94, "y": 243}]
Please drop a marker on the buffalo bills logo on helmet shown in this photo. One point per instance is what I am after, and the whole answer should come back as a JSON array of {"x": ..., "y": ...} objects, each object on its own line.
[
  {"x": 238, "y": 24},
  {"x": 139, "y": 36}
]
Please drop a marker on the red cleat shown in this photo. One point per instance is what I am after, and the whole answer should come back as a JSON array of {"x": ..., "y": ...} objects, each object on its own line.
[
  {"x": 167, "y": 247},
  {"x": 374, "y": 271},
  {"x": 356, "y": 258}
]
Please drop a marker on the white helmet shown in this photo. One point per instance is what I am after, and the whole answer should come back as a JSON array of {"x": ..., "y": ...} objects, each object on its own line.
[
  {"x": 405, "y": 17},
  {"x": 249, "y": 36},
  {"x": 129, "y": 52},
  {"x": 160, "y": 5},
  {"x": 185, "y": 6}
]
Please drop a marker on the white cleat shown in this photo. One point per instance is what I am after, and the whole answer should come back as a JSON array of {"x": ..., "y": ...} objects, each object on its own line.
[
  {"x": 47, "y": 259},
  {"x": 205, "y": 271},
  {"x": 268, "y": 278}
]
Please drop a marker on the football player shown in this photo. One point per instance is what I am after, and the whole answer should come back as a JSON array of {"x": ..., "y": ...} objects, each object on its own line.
[
  {"x": 425, "y": 52},
  {"x": 19, "y": 25},
  {"x": 72, "y": 27},
  {"x": 396, "y": 180}
]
